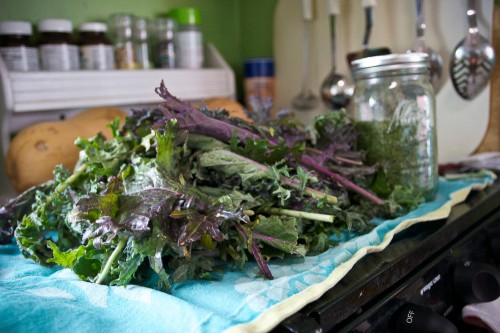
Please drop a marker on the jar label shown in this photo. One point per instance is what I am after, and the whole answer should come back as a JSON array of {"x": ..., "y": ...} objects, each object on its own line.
[
  {"x": 97, "y": 57},
  {"x": 166, "y": 55},
  {"x": 259, "y": 92},
  {"x": 189, "y": 46},
  {"x": 142, "y": 55},
  {"x": 59, "y": 57},
  {"x": 125, "y": 57},
  {"x": 20, "y": 58}
]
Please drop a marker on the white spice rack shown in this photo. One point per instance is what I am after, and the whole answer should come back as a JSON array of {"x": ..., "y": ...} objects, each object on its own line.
[{"x": 30, "y": 97}]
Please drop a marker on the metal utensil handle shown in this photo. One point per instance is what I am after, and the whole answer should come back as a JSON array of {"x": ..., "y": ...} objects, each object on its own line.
[
  {"x": 306, "y": 57},
  {"x": 368, "y": 26},
  {"x": 333, "y": 43},
  {"x": 420, "y": 21},
  {"x": 368, "y": 3},
  {"x": 307, "y": 10},
  {"x": 333, "y": 6},
  {"x": 307, "y": 14},
  {"x": 420, "y": 18},
  {"x": 472, "y": 16}
]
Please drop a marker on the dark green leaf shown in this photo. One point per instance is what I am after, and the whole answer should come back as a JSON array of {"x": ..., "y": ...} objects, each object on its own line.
[{"x": 278, "y": 232}]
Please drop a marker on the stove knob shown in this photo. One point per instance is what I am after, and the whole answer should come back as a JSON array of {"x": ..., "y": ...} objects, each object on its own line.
[
  {"x": 413, "y": 318},
  {"x": 476, "y": 282},
  {"x": 494, "y": 238}
]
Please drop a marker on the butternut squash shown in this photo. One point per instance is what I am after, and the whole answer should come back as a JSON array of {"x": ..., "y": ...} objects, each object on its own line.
[{"x": 36, "y": 150}]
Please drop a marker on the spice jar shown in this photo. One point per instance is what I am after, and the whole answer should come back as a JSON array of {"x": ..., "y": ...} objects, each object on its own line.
[
  {"x": 259, "y": 84},
  {"x": 394, "y": 113},
  {"x": 58, "y": 51},
  {"x": 121, "y": 31},
  {"x": 141, "y": 43},
  {"x": 16, "y": 47},
  {"x": 96, "y": 50},
  {"x": 188, "y": 38},
  {"x": 164, "y": 47}
]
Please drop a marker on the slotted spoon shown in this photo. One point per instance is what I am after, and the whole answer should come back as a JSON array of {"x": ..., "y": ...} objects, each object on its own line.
[{"x": 472, "y": 61}]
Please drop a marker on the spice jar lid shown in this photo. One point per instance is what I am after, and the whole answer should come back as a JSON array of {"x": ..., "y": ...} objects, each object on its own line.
[
  {"x": 390, "y": 62},
  {"x": 121, "y": 25},
  {"x": 55, "y": 25},
  {"x": 15, "y": 28},
  {"x": 140, "y": 28},
  {"x": 259, "y": 67},
  {"x": 121, "y": 20},
  {"x": 164, "y": 28},
  {"x": 165, "y": 23},
  {"x": 186, "y": 15},
  {"x": 93, "y": 27}
]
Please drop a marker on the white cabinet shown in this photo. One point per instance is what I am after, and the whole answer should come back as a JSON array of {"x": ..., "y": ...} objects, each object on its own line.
[{"x": 30, "y": 97}]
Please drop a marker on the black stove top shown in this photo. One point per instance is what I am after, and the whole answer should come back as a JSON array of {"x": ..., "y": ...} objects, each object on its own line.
[{"x": 416, "y": 267}]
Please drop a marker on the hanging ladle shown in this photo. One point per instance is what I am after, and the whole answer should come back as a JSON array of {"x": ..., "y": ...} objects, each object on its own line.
[
  {"x": 435, "y": 60},
  {"x": 336, "y": 93},
  {"x": 473, "y": 59},
  {"x": 306, "y": 100}
]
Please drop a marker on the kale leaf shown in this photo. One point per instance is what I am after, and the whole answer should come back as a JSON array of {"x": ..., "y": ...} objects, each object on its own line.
[{"x": 178, "y": 193}]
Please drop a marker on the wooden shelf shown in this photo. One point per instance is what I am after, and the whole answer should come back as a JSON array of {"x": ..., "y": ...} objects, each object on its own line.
[
  {"x": 30, "y": 97},
  {"x": 41, "y": 91}
]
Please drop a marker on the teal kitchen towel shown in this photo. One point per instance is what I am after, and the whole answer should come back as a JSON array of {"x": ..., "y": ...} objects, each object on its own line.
[{"x": 40, "y": 299}]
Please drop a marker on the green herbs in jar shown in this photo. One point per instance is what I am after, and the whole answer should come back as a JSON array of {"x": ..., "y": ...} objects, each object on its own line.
[{"x": 404, "y": 154}]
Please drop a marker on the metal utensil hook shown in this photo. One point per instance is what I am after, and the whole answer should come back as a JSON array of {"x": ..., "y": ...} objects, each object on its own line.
[
  {"x": 419, "y": 4},
  {"x": 368, "y": 23},
  {"x": 472, "y": 19}
]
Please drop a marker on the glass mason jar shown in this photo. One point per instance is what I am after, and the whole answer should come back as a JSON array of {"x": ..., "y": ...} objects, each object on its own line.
[
  {"x": 121, "y": 26},
  {"x": 164, "y": 45},
  {"x": 394, "y": 112}
]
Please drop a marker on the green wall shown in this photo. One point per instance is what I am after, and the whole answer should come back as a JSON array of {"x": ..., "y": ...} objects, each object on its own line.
[{"x": 238, "y": 28}]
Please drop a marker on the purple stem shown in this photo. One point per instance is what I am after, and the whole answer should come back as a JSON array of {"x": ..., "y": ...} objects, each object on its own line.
[
  {"x": 203, "y": 124},
  {"x": 271, "y": 239},
  {"x": 310, "y": 163},
  {"x": 256, "y": 253},
  {"x": 198, "y": 122}
]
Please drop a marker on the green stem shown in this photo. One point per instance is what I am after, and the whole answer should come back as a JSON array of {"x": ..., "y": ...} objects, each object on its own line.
[
  {"x": 111, "y": 260},
  {"x": 61, "y": 187},
  {"x": 249, "y": 212},
  {"x": 308, "y": 190},
  {"x": 301, "y": 214}
]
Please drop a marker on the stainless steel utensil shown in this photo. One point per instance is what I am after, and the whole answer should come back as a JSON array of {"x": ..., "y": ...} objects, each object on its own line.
[
  {"x": 306, "y": 100},
  {"x": 472, "y": 60},
  {"x": 336, "y": 93},
  {"x": 366, "y": 51},
  {"x": 435, "y": 60}
]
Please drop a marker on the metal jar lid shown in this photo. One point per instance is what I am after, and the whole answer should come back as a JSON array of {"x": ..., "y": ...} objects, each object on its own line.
[
  {"x": 390, "y": 62},
  {"x": 93, "y": 27},
  {"x": 55, "y": 25},
  {"x": 15, "y": 28}
]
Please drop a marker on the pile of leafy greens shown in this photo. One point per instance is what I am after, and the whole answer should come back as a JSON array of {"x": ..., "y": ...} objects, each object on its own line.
[{"x": 182, "y": 193}]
